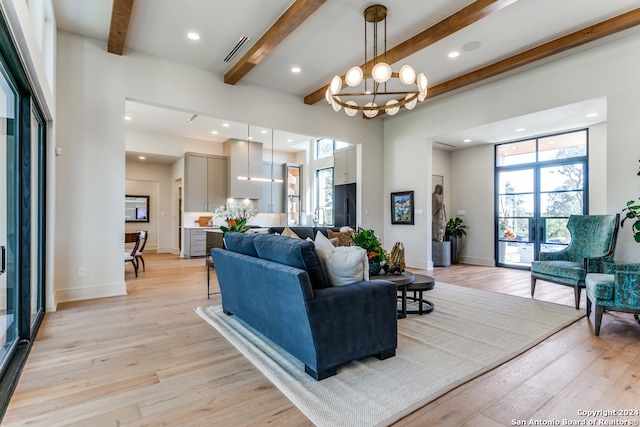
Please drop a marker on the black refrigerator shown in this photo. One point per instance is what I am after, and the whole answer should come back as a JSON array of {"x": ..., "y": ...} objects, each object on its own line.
[{"x": 344, "y": 205}]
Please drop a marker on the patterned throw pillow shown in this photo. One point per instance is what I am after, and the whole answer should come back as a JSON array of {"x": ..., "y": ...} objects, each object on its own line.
[
  {"x": 344, "y": 238},
  {"x": 289, "y": 233}
]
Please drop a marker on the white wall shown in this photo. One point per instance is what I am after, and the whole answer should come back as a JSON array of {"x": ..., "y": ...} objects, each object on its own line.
[
  {"x": 90, "y": 128},
  {"x": 604, "y": 70}
]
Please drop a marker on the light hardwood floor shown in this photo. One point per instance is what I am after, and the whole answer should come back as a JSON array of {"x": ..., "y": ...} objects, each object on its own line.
[{"x": 146, "y": 359}]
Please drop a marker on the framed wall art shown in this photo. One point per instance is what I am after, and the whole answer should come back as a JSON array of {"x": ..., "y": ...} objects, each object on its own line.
[{"x": 402, "y": 207}]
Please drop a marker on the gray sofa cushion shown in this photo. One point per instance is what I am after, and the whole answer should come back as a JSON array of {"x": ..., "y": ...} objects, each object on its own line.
[
  {"x": 241, "y": 243},
  {"x": 295, "y": 253}
]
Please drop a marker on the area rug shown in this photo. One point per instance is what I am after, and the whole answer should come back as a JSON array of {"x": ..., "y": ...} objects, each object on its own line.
[{"x": 469, "y": 333}]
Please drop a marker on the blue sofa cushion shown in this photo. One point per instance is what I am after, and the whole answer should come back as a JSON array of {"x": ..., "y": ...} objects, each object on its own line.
[
  {"x": 295, "y": 253},
  {"x": 241, "y": 243}
]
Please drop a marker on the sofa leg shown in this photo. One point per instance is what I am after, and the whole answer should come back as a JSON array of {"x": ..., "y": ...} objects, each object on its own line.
[
  {"x": 598, "y": 318},
  {"x": 319, "y": 376},
  {"x": 227, "y": 312},
  {"x": 533, "y": 285},
  {"x": 577, "y": 291},
  {"x": 386, "y": 354}
]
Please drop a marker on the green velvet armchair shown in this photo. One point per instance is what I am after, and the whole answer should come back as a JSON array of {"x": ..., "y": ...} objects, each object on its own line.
[
  {"x": 617, "y": 289},
  {"x": 593, "y": 240}
]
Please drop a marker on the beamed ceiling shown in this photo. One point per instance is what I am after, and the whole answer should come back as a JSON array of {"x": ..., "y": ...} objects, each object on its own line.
[{"x": 325, "y": 37}]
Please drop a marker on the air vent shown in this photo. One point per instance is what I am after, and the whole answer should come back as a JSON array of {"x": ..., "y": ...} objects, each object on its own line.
[
  {"x": 445, "y": 144},
  {"x": 236, "y": 48}
]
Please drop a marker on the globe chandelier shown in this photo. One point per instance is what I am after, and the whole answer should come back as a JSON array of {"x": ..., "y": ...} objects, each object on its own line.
[{"x": 381, "y": 88}]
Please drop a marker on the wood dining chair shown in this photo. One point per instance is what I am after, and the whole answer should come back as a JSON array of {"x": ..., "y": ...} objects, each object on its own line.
[
  {"x": 142, "y": 241},
  {"x": 130, "y": 256}
]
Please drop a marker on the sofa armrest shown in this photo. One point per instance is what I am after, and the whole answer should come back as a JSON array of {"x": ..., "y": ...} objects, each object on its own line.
[
  {"x": 360, "y": 318},
  {"x": 597, "y": 264}
]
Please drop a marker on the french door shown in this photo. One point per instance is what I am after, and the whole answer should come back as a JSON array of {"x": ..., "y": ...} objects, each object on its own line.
[{"x": 539, "y": 184}]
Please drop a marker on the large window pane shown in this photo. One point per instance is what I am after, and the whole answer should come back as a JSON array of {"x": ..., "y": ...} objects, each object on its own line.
[
  {"x": 563, "y": 203},
  {"x": 515, "y": 182},
  {"x": 516, "y": 205},
  {"x": 324, "y": 212},
  {"x": 516, "y": 153},
  {"x": 562, "y": 146},
  {"x": 324, "y": 148},
  {"x": 560, "y": 178}
]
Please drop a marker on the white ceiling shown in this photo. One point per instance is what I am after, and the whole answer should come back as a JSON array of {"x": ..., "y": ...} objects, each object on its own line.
[{"x": 332, "y": 40}]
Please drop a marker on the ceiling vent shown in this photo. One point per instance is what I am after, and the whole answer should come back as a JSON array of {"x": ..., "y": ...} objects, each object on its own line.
[
  {"x": 236, "y": 48},
  {"x": 445, "y": 144}
]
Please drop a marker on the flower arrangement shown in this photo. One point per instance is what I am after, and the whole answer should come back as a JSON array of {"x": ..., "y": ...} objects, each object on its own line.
[
  {"x": 235, "y": 216},
  {"x": 367, "y": 240}
]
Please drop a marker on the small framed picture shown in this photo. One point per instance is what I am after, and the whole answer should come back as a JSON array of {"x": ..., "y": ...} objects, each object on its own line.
[{"x": 402, "y": 207}]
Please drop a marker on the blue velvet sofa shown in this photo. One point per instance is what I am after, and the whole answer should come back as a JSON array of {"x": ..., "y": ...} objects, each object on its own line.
[{"x": 278, "y": 286}]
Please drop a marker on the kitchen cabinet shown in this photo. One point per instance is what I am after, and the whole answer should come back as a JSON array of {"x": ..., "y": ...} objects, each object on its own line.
[
  {"x": 293, "y": 176},
  {"x": 205, "y": 182},
  {"x": 195, "y": 244},
  {"x": 272, "y": 199},
  {"x": 244, "y": 161},
  {"x": 345, "y": 166}
]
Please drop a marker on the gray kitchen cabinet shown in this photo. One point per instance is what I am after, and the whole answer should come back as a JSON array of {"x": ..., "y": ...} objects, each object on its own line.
[
  {"x": 272, "y": 199},
  {"x": 205, "y": 182},
  {"x": 195, "y": 244},
  {"x": 345, "y": 166},
  {"x": 244, "y": 160}
]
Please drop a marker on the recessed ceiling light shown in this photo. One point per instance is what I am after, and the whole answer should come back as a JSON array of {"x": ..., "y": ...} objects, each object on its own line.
[
  {"x": 467, "y": 140},
  {"x": 591, "y": 115},
  {"x": 142, "y": 157},
  {"x": 214, "y": 132},
  {"x": 454, "y": 54},
  {"x": 226, "y": 125},
  {"x": 289, "y": 140},
  {"x": 520, "y": 129},
  {"x": 250, "y": 138},
  {"x": 127, "y": 118},
  {"x": 295, "y": 70},
  {"x": 263, "y": 131},
  {"x": 193, "y": 36}
]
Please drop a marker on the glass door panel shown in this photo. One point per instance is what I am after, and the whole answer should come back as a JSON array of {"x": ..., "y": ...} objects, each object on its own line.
[
  {"x": 515, "y": 217},
  {"x": 8, "y": 225}
]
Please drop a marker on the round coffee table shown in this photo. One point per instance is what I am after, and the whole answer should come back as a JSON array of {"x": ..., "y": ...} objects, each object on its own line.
[{"x": 406, "y": 281}]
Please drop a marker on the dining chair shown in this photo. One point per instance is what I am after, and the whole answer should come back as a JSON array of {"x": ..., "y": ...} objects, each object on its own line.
[
  {"x": 142, "y": 241},
  {"x": 130, "y": 256}
]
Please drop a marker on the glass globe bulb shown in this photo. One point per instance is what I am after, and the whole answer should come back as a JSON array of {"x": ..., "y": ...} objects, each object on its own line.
[
  {"x": 422, "y": 95},
  {"x": 354, "y": 76},
  {"x": 335, "y": 105},
  {"x": 336, "y": 85},
  {"x": 381, "y": 72},
  {"x": 392, "y": 107},
  {"x": 370, "y": 113},
  {"x": 351, "y": 111},
  {"x": 409, "y": 105},
  {"x": 327, "y": 95},
  {"x": 407, "y": 75},
  {"x": 421, "y": 80}
]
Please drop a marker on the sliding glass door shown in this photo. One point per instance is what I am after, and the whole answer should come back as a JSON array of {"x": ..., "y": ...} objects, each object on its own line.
[
  {"x": 8, "y": 224},
  {"x": 539, "y": 183}
]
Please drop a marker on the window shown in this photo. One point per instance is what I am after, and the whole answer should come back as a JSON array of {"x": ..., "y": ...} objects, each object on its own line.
[
  {"x": 323, "y": 214},
  {"x": 326, "y": 147}
]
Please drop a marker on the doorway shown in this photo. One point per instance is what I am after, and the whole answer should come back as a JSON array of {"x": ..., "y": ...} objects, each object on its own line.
[{"x": 539, "y": 183}]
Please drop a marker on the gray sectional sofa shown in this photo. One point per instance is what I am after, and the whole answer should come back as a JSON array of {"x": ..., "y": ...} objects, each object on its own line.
[{"x": 277, "y": 285}]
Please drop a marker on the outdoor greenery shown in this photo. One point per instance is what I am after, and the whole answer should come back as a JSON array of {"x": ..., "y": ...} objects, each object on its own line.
[{"x": 632, "y": 213}]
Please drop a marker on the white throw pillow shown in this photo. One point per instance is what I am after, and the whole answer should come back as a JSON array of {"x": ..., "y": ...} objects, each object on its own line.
[{"x": 344, "y": 264}]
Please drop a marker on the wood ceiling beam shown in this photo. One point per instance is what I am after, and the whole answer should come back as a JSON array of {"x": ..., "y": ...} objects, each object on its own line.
[
  {"x": 456, "y": 22},
  {"x": 297, "y": 13},
  {"x": 120, "y": 16},
  {"x": 570, "y": 41}
]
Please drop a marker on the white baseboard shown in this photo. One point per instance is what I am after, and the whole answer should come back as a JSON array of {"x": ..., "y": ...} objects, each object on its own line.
[
  {"x": 478, "y": 261},
  {"x": 174, "y": 251},
  {"x": 104, "y": 291}
]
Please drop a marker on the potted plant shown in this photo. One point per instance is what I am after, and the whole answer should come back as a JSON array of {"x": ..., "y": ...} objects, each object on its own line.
[
  {"x": 235, "y": 216},
  {"x": 368, "y": 241},
  {"x": 454, "y": 231},
  {"x": 632, "y": 212}
]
